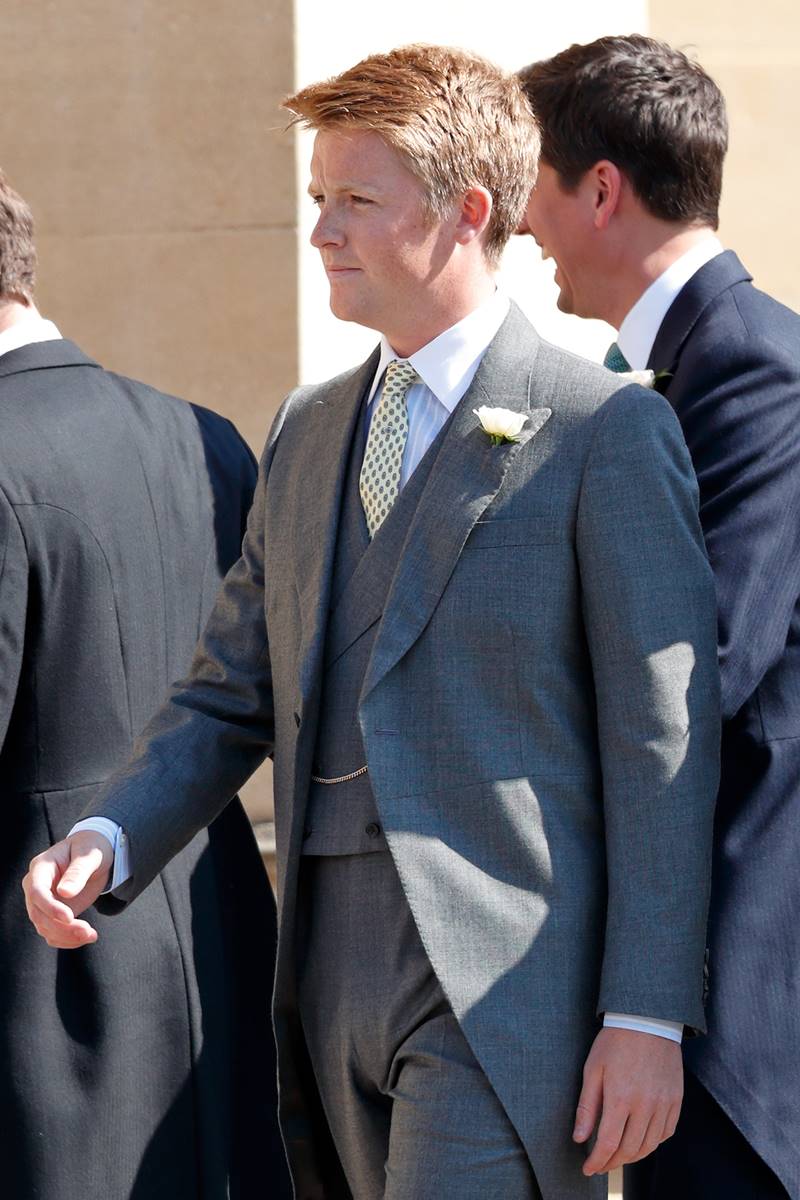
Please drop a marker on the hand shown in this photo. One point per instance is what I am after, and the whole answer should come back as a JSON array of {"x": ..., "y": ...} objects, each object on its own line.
[
  {"x": 632, "y": 1084},
  {"x": 62, "y": 882}
]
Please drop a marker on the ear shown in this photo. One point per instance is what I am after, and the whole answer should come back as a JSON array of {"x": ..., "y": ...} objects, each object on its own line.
[
  {"x": 473, "y": 215},
  {"x": 606, "y": 191}
]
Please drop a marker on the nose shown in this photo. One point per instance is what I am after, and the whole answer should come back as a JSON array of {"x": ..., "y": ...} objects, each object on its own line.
[
  {"x": 326, "y": 232},
  {"x": 523, "y": 226}
]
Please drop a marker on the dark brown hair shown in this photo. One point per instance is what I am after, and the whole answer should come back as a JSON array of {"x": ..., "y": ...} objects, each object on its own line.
[
  {"x": 644, "y": 106},
  {"x": 17, "y": 251},
  {"x": 456, "y": 119}
]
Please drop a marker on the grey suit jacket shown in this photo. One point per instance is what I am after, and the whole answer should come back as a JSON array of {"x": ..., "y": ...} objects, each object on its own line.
[{"x": 540, "y": 718}]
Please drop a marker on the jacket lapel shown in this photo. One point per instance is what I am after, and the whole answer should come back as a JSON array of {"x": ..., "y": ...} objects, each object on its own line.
[
  {"x": 332, "y": 424},
  {"x": 463, "y": 481},
  {"x": 715, "y": 277},
  {"x": 363, "y": 600},
  {"x": 317, "y": 485}
]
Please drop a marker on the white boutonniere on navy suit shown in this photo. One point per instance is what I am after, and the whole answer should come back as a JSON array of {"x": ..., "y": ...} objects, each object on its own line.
[{"x": 645, "y": 379}]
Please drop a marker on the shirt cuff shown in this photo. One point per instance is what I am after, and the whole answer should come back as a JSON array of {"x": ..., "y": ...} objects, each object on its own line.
[
  {"x": 672, "y": 1030},
  {"x": 116, "y": 835}
]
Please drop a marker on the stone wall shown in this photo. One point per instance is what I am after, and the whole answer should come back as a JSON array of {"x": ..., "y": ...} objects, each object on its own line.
[{"x": 753, "y": 52}]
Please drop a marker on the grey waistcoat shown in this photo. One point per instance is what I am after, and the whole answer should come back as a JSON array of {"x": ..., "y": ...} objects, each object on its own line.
[{"x": 342, "y": 818}]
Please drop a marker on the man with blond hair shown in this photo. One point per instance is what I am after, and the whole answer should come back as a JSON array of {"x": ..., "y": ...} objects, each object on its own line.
[{"x": 480, "y": 645}]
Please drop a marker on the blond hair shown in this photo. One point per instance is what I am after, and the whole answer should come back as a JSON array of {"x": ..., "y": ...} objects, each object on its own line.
[{"x": 456, "y": 119}]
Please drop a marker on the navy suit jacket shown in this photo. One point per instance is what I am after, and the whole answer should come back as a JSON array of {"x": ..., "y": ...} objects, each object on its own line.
[{"x": 734, "y": 357}]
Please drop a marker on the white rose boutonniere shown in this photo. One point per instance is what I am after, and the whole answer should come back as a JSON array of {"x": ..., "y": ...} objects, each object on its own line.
[
  {"x": 646, "y": 379},
  {"x": 501, "y": 424}
]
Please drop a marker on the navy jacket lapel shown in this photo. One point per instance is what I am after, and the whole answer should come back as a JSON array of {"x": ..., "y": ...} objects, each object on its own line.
[
  {"x": 715, "y": 277},
  {"x": 464, "y": 480}
]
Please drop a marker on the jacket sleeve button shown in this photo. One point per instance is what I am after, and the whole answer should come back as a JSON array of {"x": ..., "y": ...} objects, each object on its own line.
[{"x": 373, "y": 829}]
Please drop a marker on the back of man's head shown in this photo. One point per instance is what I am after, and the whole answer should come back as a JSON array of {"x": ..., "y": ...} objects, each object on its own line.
[
  {"x": 645, "y": 107},
  {"x": 17, "y": 249},
  {"x": 456, "y": 120}
]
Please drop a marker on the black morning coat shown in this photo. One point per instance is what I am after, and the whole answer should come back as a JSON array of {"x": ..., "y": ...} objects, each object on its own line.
[
  {"x": 141, "y": 1067},
  {"x": 734, "y": 357}
]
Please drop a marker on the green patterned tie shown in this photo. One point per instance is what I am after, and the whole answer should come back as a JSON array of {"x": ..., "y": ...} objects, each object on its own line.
[
  {"x": 379, "y": 482},
  {"x": 615, "y": 360}
]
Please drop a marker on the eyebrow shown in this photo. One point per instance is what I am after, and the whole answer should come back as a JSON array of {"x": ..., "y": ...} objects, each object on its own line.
[{"x": 347, "y": 186}]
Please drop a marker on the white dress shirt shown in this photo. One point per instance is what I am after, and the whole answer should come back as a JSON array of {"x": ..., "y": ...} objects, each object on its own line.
[
  {"x": 30, "y": 328},
  {"x": 446, "y": 367},
  {"x": 638, "y": 331}
]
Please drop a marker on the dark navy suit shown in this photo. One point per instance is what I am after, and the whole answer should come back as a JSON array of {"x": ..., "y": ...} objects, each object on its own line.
[
  {"x": 142, "y": 1067},
  {"x": 734, "y": 357}
]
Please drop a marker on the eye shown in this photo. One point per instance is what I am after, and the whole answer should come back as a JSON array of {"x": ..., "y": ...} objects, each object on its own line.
[
  {"x": 316, "y": 199},
  {"x": 360, "y": 200}
]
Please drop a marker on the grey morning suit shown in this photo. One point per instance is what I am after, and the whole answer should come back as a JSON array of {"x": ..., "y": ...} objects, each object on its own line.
[
  {"x": 539, "y": 714},
  {"x": 408, "y": 1105}
]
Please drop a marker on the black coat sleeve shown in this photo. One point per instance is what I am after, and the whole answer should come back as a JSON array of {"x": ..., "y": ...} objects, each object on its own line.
[{"x": 214, "y": 728}]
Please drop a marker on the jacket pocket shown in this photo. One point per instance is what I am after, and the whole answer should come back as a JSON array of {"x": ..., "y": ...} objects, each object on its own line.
[{"x": 515, "y": 531}]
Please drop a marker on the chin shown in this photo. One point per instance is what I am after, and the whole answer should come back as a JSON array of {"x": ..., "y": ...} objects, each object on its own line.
[
  {"x": 342, "y": 311},
  {"x": 356, "y": 314}
]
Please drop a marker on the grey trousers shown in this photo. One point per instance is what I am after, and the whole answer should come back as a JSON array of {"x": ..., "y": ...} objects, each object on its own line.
[{"x": 412, "y": 1114}]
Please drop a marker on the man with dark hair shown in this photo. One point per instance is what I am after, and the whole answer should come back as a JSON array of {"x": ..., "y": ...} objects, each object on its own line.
[
  {"x": 142, "y": 1066},
  {"x": 634, "y": 136},
  {"x": 484, "y": 702}
]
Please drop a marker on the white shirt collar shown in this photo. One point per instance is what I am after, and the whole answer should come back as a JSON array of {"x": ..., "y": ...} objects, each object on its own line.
[
  {"x": 447, "y": 365},
  {"x": 638, "y": 331},
  {"x": 29, "y": 329}
]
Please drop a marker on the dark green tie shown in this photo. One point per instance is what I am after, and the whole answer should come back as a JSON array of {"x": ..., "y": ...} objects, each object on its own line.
[{"x": 615, "y": 360}]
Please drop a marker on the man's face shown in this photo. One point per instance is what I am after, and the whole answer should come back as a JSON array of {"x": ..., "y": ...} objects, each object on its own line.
[
  {"x": 560, "y": 221},
  {"x": 381, "y": 251}
]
